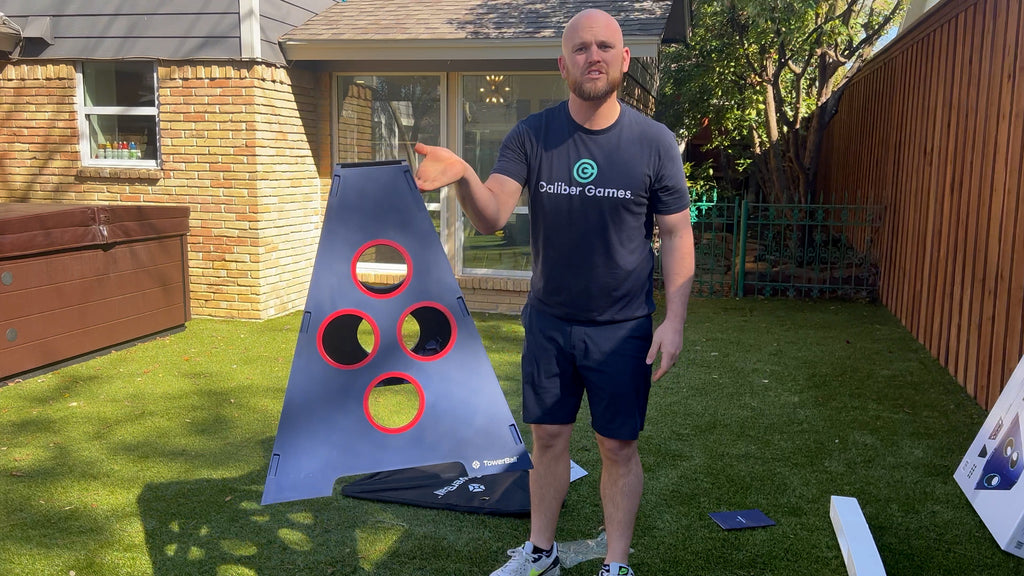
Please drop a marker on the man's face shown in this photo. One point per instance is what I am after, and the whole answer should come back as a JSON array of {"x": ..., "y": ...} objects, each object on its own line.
[{"x": 593, "y": 58}]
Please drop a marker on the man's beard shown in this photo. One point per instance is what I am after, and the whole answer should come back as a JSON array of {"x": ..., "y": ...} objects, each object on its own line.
[{"x": 593, "y": 92}]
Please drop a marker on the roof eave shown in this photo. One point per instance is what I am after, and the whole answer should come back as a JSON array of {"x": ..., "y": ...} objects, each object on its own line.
[
  {"x": 679, "y": 23},
  {"x": 445, "y": 49}
]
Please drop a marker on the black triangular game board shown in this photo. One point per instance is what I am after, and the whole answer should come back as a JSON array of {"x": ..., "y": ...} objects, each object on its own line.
[{"x": 351, "y": 347}]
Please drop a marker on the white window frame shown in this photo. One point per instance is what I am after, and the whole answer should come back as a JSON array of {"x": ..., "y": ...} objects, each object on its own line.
[{"x": 85, "y": 145}]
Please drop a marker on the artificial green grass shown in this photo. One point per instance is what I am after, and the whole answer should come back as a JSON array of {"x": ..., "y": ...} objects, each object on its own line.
[{"x": 151, "y": 460}]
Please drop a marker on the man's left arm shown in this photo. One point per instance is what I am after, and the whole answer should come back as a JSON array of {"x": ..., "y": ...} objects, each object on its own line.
[{"x": 677, "y": 267}]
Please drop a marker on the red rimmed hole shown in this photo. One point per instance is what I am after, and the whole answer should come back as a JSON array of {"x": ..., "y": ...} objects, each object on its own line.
[
  {"x": 381, "y": 268},
  {"x": 393, "y": 402},
  {"x": 348, "y": 339},
  {"x": 427, "y": 331}
]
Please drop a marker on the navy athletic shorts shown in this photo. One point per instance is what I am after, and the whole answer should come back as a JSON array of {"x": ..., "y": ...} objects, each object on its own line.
[{"x": 563, "y": 359}]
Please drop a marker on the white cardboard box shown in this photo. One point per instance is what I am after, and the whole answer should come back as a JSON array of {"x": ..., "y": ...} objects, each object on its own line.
[{"x": 990, "y": 474}]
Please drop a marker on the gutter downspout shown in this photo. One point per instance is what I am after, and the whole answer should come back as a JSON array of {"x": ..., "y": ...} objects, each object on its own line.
[{"x": 249, "y": 29}]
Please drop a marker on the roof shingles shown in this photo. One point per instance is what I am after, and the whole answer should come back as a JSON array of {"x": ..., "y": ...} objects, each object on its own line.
[{"x": 470, "y": 19}]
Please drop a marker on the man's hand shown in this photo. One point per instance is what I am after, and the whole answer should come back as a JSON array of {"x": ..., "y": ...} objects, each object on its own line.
[
  {"x": 439, "y": 167},
  {"x": 668, "y": 340}
]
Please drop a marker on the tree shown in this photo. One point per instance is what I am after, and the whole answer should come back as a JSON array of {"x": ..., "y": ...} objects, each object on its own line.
[{"x": 767, "y": 76}]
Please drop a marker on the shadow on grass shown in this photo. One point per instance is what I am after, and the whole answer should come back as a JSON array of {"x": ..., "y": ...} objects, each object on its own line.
[{"x": 218, "y": 527}]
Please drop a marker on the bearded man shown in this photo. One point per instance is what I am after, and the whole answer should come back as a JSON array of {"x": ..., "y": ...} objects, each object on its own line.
[{"x": 598, "y": 174}]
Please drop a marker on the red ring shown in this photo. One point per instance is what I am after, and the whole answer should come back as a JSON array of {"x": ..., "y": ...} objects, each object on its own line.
[
  {"x": 451, "y": 322},
  {"x": 401, "y": 286},
  {"x": 411, "y": 423},
  {"x": 353, "y": 312}
]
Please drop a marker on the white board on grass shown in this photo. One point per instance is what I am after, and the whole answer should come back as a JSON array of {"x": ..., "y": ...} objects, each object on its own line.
[{"x": 855, "y": 541}]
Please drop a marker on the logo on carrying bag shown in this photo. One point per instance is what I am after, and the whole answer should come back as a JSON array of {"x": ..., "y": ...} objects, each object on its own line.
[
  {"x": 584, "y": 171},
  {"x": 455, "y": 485},
  {"x": 451, "y": 487},
  {"x": 476, "y": 464}
]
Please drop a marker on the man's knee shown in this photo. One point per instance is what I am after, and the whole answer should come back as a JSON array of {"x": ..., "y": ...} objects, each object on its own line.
[
  {"x": 617, "y": 451},
  {"x": 548, "y": 437}
]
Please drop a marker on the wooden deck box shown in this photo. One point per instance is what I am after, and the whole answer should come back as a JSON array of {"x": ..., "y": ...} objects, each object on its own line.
[{"x": 78, "y": 279}]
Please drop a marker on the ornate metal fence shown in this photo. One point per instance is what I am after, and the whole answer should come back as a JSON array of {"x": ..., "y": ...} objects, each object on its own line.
[
  {"x": 810, "y": 251},
  {"x": 790, "y": 251},
  {"x": 715, "y": 245}
]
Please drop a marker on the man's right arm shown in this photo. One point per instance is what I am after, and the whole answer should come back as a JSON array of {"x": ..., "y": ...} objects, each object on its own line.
[{"x": 487, "y": 204}]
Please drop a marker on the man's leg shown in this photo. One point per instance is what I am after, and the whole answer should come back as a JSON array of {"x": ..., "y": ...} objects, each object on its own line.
[
  {"x": 549, "y": 480},
  {"x": 549, "y": 483},
  {"x": 622, "y": 483}
]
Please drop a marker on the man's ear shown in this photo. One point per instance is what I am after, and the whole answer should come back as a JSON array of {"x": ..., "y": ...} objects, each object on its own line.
[
  {"x": 561, "y": 65},
  {"x": 625, "y": 59}
]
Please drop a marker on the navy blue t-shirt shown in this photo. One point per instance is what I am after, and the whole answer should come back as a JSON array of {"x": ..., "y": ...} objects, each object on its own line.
[{"x": 593, "y": 195}]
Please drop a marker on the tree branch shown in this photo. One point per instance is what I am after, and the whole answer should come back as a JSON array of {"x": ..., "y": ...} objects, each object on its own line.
[{"x": 871, "y": 36}]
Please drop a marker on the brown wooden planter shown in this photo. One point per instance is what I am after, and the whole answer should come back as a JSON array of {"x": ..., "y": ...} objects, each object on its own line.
[{"x": 76, "y": 279}]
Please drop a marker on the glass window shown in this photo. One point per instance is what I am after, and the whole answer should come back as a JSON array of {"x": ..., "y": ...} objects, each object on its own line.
[
  {"x": 492, "y": 104},
  {"x": 119, "y": 119},
  {"x": 381, "y": 117}
]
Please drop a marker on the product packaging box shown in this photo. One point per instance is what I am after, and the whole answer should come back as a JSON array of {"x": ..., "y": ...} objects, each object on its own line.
[{"x": 990, "y": 473}]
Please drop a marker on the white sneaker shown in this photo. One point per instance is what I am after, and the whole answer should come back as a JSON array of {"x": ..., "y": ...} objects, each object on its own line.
[{"x": 525, "y": 563}]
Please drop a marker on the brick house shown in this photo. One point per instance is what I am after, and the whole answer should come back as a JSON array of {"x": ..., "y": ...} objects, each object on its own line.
[{"x": 240, "y": 108}]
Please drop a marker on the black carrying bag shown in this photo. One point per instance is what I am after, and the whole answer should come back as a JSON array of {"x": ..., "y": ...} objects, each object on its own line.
[{"x": 448, "y": 487}]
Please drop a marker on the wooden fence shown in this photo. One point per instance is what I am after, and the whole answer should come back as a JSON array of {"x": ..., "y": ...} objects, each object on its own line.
[{"x": 932, "y": 129}]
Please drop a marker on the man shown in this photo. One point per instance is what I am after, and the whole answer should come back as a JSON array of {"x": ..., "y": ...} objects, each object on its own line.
[{"x": 598, "y": 172}]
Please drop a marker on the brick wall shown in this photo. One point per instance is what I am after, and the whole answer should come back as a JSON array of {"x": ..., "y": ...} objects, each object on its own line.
[
  {"x": 489, "y": 294},
  {"x": 38, "y": 132},
  {"x": 245, "y": 146}
]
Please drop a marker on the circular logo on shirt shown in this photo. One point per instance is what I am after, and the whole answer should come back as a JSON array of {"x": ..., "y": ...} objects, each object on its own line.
[{"x": 584, "y": 171}]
